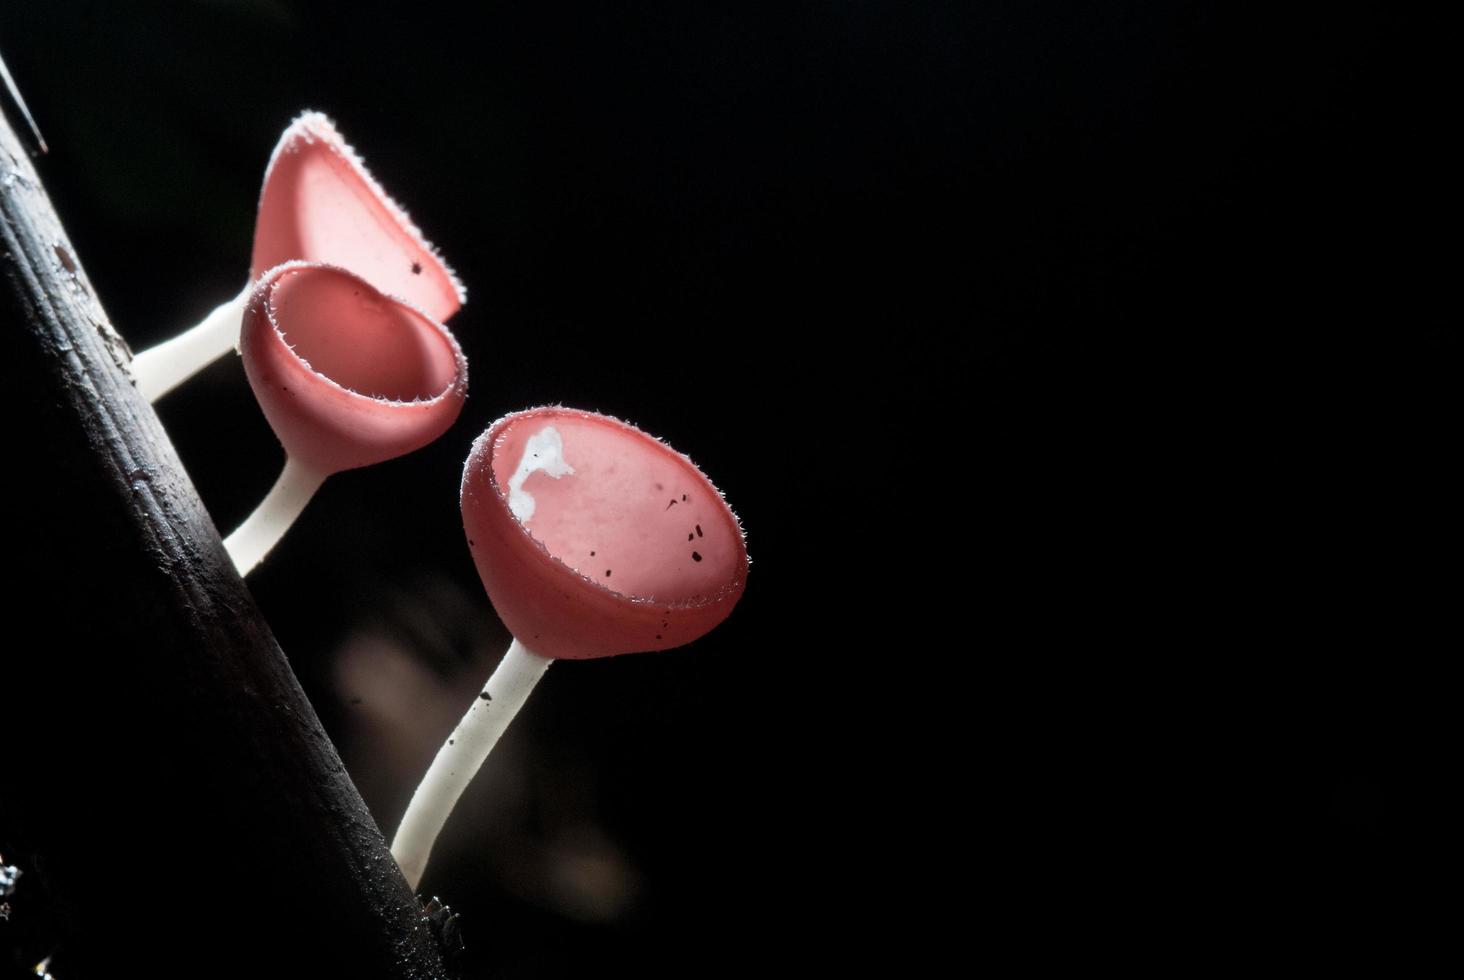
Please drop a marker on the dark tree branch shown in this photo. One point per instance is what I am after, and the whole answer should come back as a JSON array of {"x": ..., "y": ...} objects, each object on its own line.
[{"x": 163, "y": 779}]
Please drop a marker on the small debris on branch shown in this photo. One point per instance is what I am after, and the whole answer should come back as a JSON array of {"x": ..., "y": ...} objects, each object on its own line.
[
  {"x": 446, "y": 929},
  {"x": 9, "y": 875}
]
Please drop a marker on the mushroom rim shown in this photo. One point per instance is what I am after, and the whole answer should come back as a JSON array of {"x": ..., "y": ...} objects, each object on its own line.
[
  {"x": 262, "y": 293},
  {"x": 483, "y": 451},
  {"x": 312, "y": 126}
]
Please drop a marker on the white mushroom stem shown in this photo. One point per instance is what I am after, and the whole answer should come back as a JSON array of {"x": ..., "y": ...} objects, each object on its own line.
[
  {"x": 160, "y": 369},
  {"x": 460, "y": 757},
  {"x": 262, "y": 530}
]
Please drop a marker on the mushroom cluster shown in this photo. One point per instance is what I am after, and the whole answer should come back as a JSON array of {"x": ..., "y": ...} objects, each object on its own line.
[
  {"x": 592, "y": 538},
  {"x": 319, "y": 204},
  {"x": 340, "y": 327}
]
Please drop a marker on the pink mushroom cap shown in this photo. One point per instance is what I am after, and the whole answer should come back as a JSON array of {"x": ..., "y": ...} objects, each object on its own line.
[
  {"x": 347, "y": 377},
  {"x": 595, "y": 539},
  {"x": 319, "y": 204}
]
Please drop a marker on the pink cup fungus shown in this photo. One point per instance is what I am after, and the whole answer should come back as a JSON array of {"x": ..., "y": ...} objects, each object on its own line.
[
  {"x": 318, "y": 204},
  {"x": 346, "y": 377},
  {"x": 593, "y": 539}
]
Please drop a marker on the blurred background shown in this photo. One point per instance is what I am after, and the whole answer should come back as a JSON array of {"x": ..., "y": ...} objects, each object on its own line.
[{"x": 959, "y": 304}]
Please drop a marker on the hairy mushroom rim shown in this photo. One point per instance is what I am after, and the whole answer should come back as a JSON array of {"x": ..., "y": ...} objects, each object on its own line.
[
  {"x": 671, "y": 582},
  {"x": 364, "y": 343}
]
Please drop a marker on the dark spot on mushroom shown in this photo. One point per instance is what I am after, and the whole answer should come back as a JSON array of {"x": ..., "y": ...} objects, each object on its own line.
[
  {"x": 671, "y": 504},
  {"x": 451, "y": 741},
  {"x": 695, "y": 556},
  {"x": 486, "y": 696},
  {"x": 658, "y": 636},
  {"x": 698, "y": 530},
  {"x": 660, "y": 487},
  {"x": 607, "y": 573},
  {"x": 67, "y": 262},
  {"x": 689, "y": 535},
  {"x": 592, "y": 554},
  {"x": 472, "y": 543},
  {"x": 683, "y": 496},
  {"x": 416, "y": 268}
]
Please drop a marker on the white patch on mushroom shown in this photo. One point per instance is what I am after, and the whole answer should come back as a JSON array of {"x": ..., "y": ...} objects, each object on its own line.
[{"x": 544, "y": 453}]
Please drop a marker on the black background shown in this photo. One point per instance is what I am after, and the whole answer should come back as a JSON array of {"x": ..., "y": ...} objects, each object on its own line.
[{"x": 1078, "y": 375}]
